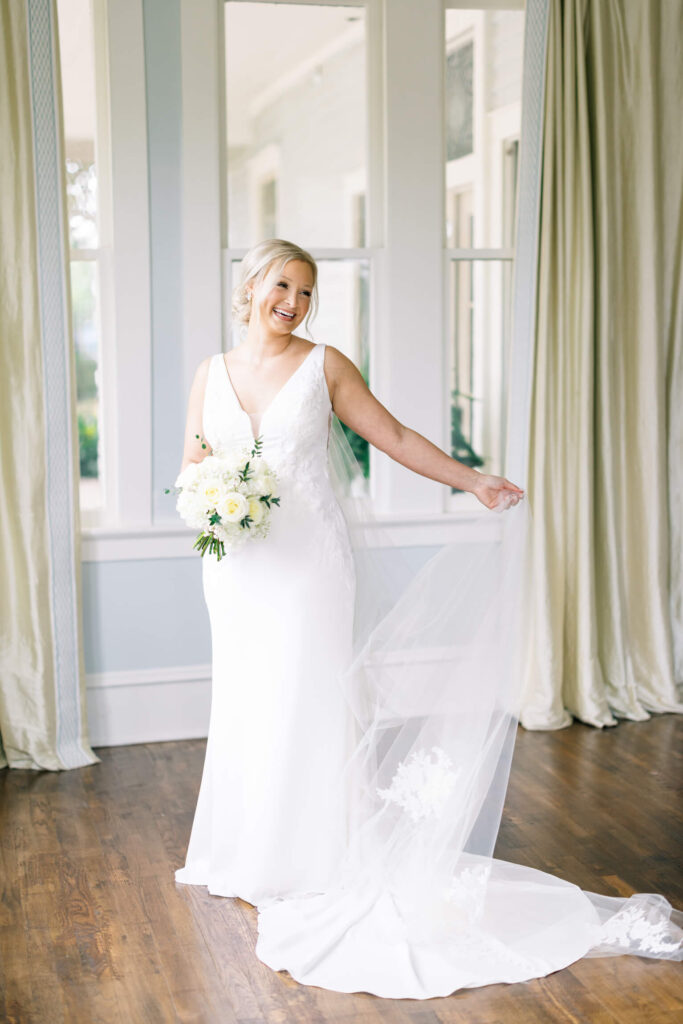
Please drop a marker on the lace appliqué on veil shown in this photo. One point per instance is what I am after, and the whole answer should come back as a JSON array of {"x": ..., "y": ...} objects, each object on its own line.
[
  {"x": 422, "y": 784},
  {"x": 467, "y": 891},
  {"x": 639, "y": 928}
]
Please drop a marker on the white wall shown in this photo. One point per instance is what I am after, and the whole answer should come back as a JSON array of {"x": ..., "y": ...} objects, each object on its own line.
[{"x": 146, "y": 635}]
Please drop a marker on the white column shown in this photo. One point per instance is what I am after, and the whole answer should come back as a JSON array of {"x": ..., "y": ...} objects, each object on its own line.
[
  {"x": 202, "y": 91},
  {"x": 408, "y": 356},
  {"x": 126, "y": 316}
]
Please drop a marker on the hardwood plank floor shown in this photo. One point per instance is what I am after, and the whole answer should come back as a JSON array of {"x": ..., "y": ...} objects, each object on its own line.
[{"x": 94, "y": 930}]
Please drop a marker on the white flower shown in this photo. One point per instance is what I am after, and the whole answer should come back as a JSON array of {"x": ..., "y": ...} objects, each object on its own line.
[
  {"x": 210, "y": 466},
  {"x": 215, "y": 498},
  {"x": 232, "y": 507},
  {"x": 256, "y": 510},
  {"x": 211, "y": 492},
  {"x": 189, "y": 476},
  {"x": 263, "y": 480},
  {"x": 191, "y": 507},
  {"x": 234, "y": 460}
]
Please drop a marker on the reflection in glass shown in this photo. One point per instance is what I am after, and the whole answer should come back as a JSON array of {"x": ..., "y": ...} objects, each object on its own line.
[
  {"x": 81, "y": 197},
  {"x": 479, "y": 302},
  {"x": 484, "y": 61},
  {"x": 295, "y": 98},
  {"x": 510, "y": 169},
  {"x": 86, "y": 343},
  {"x": 77, "y": 59},
  {"x": 459, "y": 109}
]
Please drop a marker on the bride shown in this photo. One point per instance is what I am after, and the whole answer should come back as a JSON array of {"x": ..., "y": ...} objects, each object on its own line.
[{"x": 362, "y": 725}]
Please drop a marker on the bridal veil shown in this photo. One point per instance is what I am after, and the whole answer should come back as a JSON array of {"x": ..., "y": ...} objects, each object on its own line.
[{"x": 421, "y": 907}]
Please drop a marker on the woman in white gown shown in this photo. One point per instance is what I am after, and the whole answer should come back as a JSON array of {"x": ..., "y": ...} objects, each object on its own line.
[{"x": 352, "y": 788}]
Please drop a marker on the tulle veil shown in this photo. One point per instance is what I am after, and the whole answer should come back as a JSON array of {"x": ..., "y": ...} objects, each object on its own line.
[{"x": 434, "y": 683}]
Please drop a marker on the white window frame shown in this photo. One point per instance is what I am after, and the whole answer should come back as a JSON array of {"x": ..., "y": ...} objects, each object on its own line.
[
  {"x": 264, "y": 163},
  {"x": 123, "y": 257},
  {"x": 405, "y": 59},
  {"x": 494, "y": 126}
]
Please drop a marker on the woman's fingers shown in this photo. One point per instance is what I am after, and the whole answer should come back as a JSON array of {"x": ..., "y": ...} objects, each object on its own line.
[{"x": 514, "y": 487}]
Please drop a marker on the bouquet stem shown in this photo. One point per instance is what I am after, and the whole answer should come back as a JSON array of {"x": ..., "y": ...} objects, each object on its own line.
[{"x": 207, "y": 542}]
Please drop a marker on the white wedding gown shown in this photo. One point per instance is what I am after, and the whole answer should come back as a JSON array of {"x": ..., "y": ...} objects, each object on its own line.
[{"x": 401, "y": 898}]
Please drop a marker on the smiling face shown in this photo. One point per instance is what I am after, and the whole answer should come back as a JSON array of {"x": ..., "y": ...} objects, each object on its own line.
[{"x": 283, "y": 299}]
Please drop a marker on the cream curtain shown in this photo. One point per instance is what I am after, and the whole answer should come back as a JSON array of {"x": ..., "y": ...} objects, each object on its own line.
[
  {"x": 606, "y": 444},
  {"x": 42, "y": 699}
]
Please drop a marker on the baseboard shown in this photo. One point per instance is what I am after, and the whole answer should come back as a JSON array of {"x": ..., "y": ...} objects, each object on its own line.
[{"x": 148, "y": 705}]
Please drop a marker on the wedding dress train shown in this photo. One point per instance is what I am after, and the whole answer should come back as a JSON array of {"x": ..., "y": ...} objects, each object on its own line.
[{"x": 360, "y": 738}]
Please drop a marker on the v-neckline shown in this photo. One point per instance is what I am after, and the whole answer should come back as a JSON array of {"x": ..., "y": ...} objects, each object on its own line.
[{"x": 273, "y": 399}]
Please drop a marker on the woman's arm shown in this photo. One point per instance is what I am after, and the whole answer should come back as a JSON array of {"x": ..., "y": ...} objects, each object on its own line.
[
  {"x": 193, "y": 451},
  {"x": 357, "y": 407}
]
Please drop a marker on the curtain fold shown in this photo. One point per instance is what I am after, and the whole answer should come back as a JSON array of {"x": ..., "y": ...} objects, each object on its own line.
[
  {"x": 606, "y": 438},
  {"x": 42, "y": 682}
]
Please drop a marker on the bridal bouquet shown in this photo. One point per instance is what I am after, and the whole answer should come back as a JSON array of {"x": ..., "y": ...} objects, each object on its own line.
[{"x": 228, "y": 497}]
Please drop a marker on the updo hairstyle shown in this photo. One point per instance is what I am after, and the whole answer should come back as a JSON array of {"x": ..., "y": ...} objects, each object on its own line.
[{"x": 256, "y": 265}]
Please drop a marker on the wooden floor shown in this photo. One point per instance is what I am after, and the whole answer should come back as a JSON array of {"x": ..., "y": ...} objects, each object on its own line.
[{"x": 94, "y": 929}]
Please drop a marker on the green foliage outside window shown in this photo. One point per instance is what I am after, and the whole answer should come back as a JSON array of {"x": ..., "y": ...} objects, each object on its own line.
[
  {"x": 461, "y": 449},
  {"x": 359, "y": 446},
  {"x": 88, "y": 437}
]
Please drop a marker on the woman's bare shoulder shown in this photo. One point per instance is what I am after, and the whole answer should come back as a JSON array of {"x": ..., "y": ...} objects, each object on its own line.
[
  {"x": 338, "y": 363},
  {"x": 338, "y": 369},
  {"x": 203, "y": 368}
]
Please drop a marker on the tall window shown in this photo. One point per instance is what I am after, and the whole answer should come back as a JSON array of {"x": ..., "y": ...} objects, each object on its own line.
[
  {"x": 484, "y": 52},
  {"x": 296, "y": 153},
  {"x": 78, "y": 89}
]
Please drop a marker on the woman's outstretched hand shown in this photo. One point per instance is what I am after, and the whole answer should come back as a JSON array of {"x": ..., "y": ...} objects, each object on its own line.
[{"x": 497, "y": 493}]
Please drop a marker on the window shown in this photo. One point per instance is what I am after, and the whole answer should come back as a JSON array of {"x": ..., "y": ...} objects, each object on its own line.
[
  {"x": 79, "y": 97},
  {"x": 459, "y": 108},
  {"x": 296, "y": 153},
  {"x": 296, "y": 101},
  {"x": 325, "y": 122},
  {"x": 484, "y": 50}
]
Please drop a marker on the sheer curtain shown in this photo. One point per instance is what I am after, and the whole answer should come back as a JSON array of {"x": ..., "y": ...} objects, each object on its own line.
[
  {"x": 42, "y": 697},
  {"x": 606, "y": 444}
]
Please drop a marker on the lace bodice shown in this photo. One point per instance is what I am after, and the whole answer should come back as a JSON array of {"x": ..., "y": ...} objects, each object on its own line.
[
  {"x": 295, "y": 430},
  {"x": 294, "y": 426}
]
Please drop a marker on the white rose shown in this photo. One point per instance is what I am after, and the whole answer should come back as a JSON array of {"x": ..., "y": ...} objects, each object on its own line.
[
  {"x": 233, "y": 507},
  {"x": 256, "y": 510},
  {"x": 211, "y": 493}
]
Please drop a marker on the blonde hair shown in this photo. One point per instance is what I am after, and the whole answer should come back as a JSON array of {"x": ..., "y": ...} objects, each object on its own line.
[{"x": 256, "y": 265}]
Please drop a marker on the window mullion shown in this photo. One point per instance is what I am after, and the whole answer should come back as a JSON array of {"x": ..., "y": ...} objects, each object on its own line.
[{"x": 409, "y": 355}]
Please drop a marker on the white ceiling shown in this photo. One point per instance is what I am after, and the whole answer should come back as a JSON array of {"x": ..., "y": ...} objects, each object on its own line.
[{"x": 266, "y": 42}]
